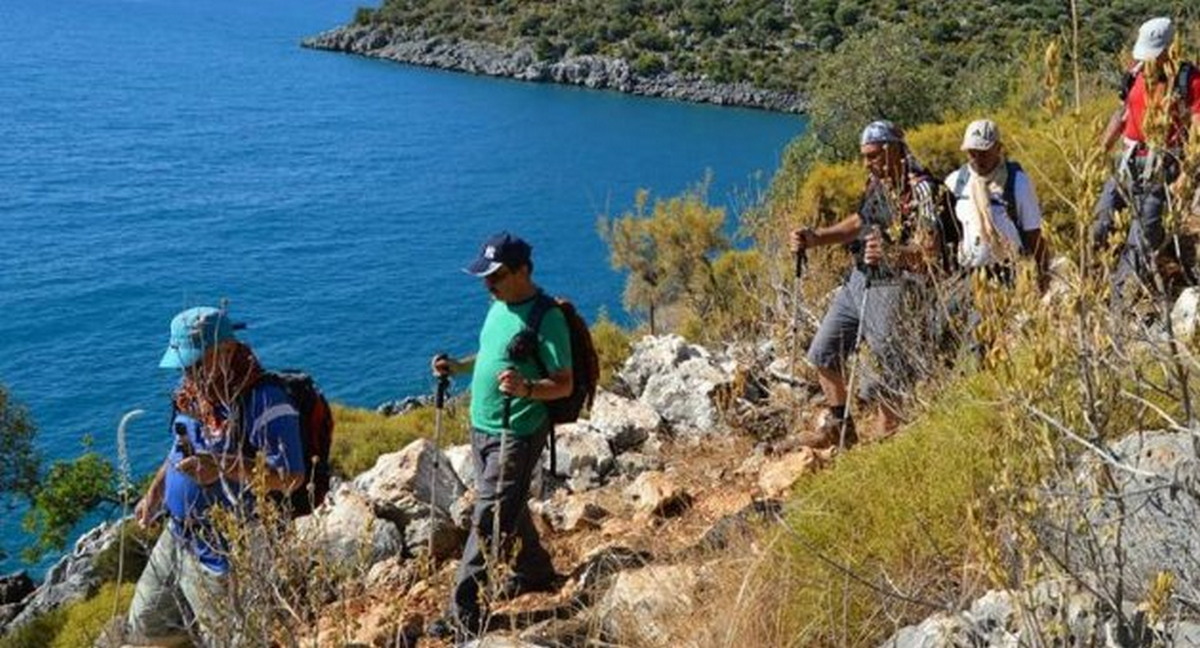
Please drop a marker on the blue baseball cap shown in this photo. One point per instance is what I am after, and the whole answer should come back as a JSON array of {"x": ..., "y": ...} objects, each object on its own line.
[
  {"x": 501, "y": 249},
  {"x": 193, "y": 332}
]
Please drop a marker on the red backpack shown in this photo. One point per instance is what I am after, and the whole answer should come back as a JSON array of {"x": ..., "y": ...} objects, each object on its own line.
[{"x": 316, "y": 437}]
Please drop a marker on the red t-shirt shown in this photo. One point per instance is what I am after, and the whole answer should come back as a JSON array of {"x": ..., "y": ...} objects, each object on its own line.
[{"x": 1135, "y": 109}]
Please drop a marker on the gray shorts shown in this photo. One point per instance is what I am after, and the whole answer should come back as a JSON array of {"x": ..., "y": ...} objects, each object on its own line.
[{"x": 895, "y": 327}]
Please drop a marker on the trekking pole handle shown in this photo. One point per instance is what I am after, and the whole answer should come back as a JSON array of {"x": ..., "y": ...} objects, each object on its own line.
[
  {"x": 443, "y": 386},
  {"x": 872, "y": 271},
  {"x": 507, "y": 412},
  {"x": 801, "y": 261}
]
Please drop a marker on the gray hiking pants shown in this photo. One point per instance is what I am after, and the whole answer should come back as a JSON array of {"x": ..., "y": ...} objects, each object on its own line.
[
  {"x": 1146, "y": 232},
  {"x": 174, "y": 595},
  {"x": 895, "y": 321},
  {"x": 520, "y": 547}
]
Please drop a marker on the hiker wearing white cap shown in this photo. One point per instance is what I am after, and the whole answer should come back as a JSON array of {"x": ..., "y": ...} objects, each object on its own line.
[
  {"x": 1150, "y": 164},
  {"x": 895, "y": 236},
  {"x": 997, "y": 208}
]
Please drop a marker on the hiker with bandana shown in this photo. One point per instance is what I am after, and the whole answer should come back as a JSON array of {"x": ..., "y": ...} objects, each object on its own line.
[
  {"x": 997, "y": 209},
  {"x": 1160, "y": 107},
  {"x": 895, "y": 236},
  {"x": 225, "y": 417}
]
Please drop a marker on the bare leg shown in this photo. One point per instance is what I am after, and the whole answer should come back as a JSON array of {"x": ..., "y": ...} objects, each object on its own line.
[
  {"x": 889, "y": 420},
  {"x": 833, "y": 385}
]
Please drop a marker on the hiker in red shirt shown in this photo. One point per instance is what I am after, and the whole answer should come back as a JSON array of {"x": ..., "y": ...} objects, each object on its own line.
[{"x": 1161, "y": 104}]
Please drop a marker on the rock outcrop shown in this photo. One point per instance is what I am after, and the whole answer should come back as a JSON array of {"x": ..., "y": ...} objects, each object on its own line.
[
  {"x": 414, "y": 47},
  {"x": 401, "y": 482},
  {"x": 73, "y": 578},
  {"x": 346, "y": 530},
  {"x": 679, "y": 381},
  {"x": 1052, "y": 610}
]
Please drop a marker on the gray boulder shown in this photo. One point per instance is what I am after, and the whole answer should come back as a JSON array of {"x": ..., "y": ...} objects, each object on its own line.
[
  {"x": 679, "y": 381},
  {"x": 347, "y": 532},
  {"x": 632, "y": 464},
  {"x": 438, "y": 532},
  {"x": 579, "y": 448},
  {"x": 624, "y": 422},
  {"x": 463, "y": 463},
  {"x": 1184, "y": 313},
  {"x": 655, "y": 493},
  {"x": 1052, "y": 612},
  {"x": 1149, "y": 522},
  {"x": 643, "y": 605},
  {"x": 72, "y": 578},
  {"x": 401, "y": 481},
  {"x": 403, "y": 405}
]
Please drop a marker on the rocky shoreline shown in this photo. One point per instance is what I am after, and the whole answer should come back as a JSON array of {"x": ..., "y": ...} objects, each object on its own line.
[{"x": 591, "y": 71}]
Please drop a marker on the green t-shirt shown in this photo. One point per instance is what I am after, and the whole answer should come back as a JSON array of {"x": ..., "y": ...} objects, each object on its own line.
[{"x": 554, "y": 346}]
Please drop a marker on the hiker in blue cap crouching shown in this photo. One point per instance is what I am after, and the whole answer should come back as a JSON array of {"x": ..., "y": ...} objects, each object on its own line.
[{"x": 225, "y": 416}]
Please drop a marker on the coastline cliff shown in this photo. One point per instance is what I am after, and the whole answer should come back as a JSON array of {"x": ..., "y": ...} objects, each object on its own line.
[{"x": 414, "y": 47}]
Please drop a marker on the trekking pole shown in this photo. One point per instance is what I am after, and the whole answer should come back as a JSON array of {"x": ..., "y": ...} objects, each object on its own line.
[
  {"x": 858, "y": 338},
  {"x": 504, "y": 432},
  {"x": 439, "y": 402},
  {"x": 801, "y": 261}
]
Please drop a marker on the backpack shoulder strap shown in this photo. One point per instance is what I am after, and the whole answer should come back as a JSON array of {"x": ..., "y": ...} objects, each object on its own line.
[
  {"x": 1183, "y": 81},
  {"x": 960, "y": 182},
  {"x": 1010, "y": 202},
  {"x": 540, "y": 307},
  {"x": 1010, "y": 194}
]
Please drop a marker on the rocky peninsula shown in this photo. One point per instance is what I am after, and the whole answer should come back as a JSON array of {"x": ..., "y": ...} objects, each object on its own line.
[{"x": 415, "y": 47}]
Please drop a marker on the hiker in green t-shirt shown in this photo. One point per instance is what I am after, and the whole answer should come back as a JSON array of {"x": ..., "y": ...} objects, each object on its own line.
[{"x": 509, "y": 424}]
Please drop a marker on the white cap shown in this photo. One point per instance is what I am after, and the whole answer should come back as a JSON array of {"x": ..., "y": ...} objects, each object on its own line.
[
  {"x": 981, "y": 135},
  {"x": 1154, "y": 37}
]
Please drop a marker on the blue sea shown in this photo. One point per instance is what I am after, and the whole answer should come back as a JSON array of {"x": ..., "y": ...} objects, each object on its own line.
[{"x": 161, "y": 154}]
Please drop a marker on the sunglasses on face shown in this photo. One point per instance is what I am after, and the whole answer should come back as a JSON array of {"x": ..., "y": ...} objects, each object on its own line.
[{"x": 499, "y": 275}]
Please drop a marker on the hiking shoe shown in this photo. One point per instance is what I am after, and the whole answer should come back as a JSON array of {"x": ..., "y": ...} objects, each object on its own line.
[
  {"x": 514, "y": 586},
  {"x": 448, "y": 628},
  {"x": 828, "y": 433}
]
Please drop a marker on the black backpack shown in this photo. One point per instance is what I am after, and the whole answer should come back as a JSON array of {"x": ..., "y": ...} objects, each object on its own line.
[
  {"x": 585, "y": 363},
  {"x": 1010, "y": 195},
  {"x": 316, "y": 437},
  {"x": 1183, "y": 81}
]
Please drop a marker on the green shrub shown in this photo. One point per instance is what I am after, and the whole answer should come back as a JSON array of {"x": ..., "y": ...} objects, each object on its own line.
[
  {"x": 85, "y": 621},
  {"x": 613, "y": 345},
  {"x": 76, "y": 625},
  {"x": 138, "y": 543},
  {"x": 364, "y": 16},
  {"x": 38, "y": 633},
  {"x": 896, "y": 515},
  {"x": 361, "y": 436},
  {"x": 648, "y": 64},
  {"x": 70, "y": 491}
]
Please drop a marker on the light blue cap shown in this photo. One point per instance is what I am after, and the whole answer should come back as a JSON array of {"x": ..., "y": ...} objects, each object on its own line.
[{"x": 194, "y": 331}]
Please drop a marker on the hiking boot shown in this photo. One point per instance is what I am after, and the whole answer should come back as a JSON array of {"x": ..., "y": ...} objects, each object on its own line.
[
  {"x": 514, "y": 587},
  {"x": 448, "y": 628},
  {"x": 828, "y": 433}
]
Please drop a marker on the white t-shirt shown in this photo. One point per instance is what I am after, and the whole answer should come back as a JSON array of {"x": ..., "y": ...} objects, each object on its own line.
[{"x": 973, "y": 251}]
